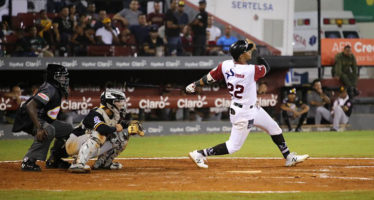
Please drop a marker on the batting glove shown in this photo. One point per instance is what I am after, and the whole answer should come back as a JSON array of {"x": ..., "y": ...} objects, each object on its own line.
[{"x": 191, "y": 88}]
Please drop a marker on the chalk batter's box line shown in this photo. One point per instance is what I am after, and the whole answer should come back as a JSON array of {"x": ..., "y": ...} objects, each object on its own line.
[{"x": 218, "y": 158}]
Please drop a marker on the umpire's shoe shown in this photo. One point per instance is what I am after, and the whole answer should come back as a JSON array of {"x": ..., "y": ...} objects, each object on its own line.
[
  {"x": 57, "y": 164},
  {"x": 28, "y": 165},
  {"x": 292, "y": 159}
]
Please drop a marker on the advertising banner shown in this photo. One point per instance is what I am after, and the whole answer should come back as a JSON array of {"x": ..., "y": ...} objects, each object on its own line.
[
  {"x": 84, "y": 102},
  {"x": 362, "y": 10},
  {"x": 363, "y": 49}
]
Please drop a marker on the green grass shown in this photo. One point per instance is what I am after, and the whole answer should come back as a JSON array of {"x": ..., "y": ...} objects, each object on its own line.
[
  {"x": 92, "y": 195},
  {"x": 326, "y": 144}
]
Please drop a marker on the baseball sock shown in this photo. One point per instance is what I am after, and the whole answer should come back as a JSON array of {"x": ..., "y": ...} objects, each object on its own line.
[
  {"x": 220, "y": 149},
  {"x": 279, "y": 141}
]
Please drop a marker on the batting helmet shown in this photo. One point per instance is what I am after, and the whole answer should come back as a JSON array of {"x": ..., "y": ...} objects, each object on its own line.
[{"x": 239, "y": 47}]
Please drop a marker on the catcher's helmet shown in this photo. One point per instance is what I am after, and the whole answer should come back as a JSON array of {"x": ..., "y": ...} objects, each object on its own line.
[
  {"x": 109, "y": 97},
  {"x": 57, "y": 75},
  {"x": 239, "y": 47}
]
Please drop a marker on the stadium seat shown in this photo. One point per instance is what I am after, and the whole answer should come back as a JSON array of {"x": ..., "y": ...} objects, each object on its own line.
[
  {"x": 124, "y": 51},
  {"x": 100, "y": 50}
]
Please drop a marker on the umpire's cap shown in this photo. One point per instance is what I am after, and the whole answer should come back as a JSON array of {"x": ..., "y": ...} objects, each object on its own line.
[{"x": 239, "y": 47}]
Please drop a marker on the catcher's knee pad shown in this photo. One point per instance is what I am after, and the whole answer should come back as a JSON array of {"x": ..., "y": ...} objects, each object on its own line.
[
  {"x": 90, "y": 148},
  {"x": 74, "y": 143},
  {"x": 71, "y": 145}
]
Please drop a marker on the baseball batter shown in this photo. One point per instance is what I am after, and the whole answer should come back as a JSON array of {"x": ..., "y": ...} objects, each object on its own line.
[{"x": 241, "y": 80}]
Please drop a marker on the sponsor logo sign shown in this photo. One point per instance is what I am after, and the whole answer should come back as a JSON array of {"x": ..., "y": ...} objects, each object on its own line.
[
  {"x": 363, "y": 49},
  {"x": 4, "y": 104}
]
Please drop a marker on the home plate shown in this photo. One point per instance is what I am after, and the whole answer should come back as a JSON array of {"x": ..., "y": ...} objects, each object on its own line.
[{"x": 246, "y": 172}]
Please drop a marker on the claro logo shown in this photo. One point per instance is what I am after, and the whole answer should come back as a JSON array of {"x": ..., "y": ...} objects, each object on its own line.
[
  {"x": 81, "y": 106},
  {"x": 188, "y": 103},
  {"x": 222, "y": 103},
  {"x": 4, "y": 104},
  {"x": 150, "y": 104}
]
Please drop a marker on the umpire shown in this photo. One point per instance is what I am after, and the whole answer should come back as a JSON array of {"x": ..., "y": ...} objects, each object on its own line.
[{"x": 37, "y": 116}]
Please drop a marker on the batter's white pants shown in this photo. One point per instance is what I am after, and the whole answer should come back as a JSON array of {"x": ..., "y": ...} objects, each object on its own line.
[{"x": 241, "y": 125}]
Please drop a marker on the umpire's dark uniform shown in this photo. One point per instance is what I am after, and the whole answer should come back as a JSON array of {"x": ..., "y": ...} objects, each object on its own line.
[{"x": 47, "y": 102}]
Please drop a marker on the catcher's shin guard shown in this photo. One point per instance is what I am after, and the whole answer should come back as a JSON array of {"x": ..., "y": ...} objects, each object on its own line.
[
  {"x": 90, "y": 148},
  {"x": 110, "y": 150}
]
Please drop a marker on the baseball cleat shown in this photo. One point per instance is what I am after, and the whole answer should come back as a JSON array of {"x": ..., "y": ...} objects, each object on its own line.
[
  {"x": 79, "y": 168},
  {"x": 198, "y": 159},
  {"x": 57, "y": 164},
  {"x": 112, "y": 166},
  {"x": 28, "y": 165},
  {"x": 293, "y": 159}
]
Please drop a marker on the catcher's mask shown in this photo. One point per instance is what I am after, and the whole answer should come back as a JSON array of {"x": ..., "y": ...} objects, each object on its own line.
[
  {"x": 57, "y": 75},
  {"x": 240, "y": 47},
  {"x": 114, "y": 100}
]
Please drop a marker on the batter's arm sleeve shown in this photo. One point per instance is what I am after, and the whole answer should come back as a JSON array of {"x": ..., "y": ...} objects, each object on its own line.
[{"x": 213, "y": 76}]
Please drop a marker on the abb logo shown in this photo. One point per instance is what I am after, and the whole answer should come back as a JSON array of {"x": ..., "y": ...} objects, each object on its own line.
[{"x": 4, "y": 104}]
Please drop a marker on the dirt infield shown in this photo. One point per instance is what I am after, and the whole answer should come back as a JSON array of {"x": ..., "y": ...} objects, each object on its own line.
[{"x": 182, "y": 175}]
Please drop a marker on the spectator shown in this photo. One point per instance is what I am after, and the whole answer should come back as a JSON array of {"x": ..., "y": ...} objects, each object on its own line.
[
  {"x": 83, "y": 22},
  {"x": 187, "y": 41},
  {"x": 82, "y": 37},
  {"x": 317, "y": 100},
  {"x": 140, "y": 31},
  {"x": 294, "y": 109},
  {"x": 101, "y": 17},
  {"x": 263, "y": 90},
  {"x": 129, "y": 17},
  {"x": 126, "y": 38},
  {"x": 341, "y": 110},
  {"x": 181, "y": 16},
  {"x": 106, "y": 35},
  {"x": 345, "y": 69},
  {"x": 156, "y": 17},
  {"x": 153, "y": 46},
  {"x": 199, "y": 25},
  {"x": 15, "y": 96},
  {"x": 44, "y": 24},
  {"x": 37, "y": 46},
  {"x": 214, "y": 31},
  {"x": 226, "y": 40},
  {"x": 91, "y": 12},
  {"x": 172, "y": 31},
  {"x": 5, "y": 31},
  {"x": 73, "y": 15},
  {"x": 63, "y": 29}
]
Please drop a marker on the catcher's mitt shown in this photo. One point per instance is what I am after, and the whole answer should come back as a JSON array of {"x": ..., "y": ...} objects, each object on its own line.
[{"x": 135, "y": 127}]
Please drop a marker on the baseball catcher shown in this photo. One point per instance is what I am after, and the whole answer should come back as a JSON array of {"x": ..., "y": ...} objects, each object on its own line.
[{"x": 102, "y": 133}]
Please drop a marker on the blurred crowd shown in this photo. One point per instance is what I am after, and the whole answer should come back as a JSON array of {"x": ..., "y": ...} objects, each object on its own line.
[{"x": 141, "y": 28}]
